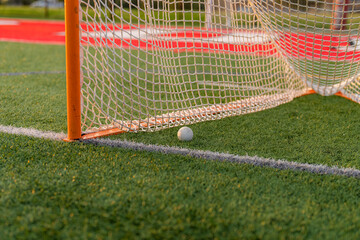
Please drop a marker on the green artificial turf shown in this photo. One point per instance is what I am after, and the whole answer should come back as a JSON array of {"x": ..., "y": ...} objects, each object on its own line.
[
  {"x": 311, "y": 129},
  {"x": 55, "y": 190},
  {"x": 24, "y": 58},
  {"x": 134, "y": 16},
  {"x": 32, "y": 100},
  {"x": 29, "y": 12}
]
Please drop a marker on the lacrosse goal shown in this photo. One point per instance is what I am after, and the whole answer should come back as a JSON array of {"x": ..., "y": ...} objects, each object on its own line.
[{"x": 146, "y": 65}]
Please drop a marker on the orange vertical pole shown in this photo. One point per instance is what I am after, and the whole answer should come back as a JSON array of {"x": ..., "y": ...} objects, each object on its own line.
[{"x": 72, "y": 32}]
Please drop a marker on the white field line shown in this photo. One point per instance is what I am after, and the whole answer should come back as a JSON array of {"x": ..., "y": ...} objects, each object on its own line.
[
  {"x": 226, "y": 157},
  {"x": 30, "y": 73},
  {"x": 5, "y": 22},
  {"x": 208, "y": 155},
  {"x": 30, "y": 132}
]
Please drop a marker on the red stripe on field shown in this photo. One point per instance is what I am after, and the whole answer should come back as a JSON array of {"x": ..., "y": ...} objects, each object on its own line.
[
  {"x": 30, "y": 31},
  {"x": 263, "y": 49},
  {"x": 52, "y": 32},
  {"x": 298, "y": 45},
  {"x": 316, "y": 47}
]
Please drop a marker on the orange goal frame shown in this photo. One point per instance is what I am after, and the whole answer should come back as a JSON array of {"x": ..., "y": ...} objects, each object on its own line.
[
  {"x": 73, "y": 85},
  {"x": 73, "y": 89}
]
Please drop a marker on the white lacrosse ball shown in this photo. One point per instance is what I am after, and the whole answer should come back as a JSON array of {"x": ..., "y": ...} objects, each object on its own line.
[{"x": 185, "y": 134}]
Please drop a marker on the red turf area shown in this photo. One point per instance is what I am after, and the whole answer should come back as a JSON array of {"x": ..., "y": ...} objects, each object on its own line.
[
  {"x": 52, "y": 32},
  {"x": 32, "y": 31},
  {"x": 298, "y": 45}
]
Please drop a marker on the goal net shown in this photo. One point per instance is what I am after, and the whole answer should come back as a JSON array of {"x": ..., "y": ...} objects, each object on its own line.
[{"x": 153, "y": 64}]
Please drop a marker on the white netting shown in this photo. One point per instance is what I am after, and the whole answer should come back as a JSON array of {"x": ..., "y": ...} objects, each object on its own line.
[{"x": 150, "y": 64}]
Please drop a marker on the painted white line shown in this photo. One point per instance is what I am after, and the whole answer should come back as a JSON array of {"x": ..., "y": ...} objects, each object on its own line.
[
  {"x": 146, "y": 34},
  {"x": 8, "y": 23},
  {"x": 32, "y": 41},
  {"x": 30, "y": 132},
  {"x": 208, "y": 155},
  {"x": 31, "y": 73},
  {"x": 226, "y": 157}
]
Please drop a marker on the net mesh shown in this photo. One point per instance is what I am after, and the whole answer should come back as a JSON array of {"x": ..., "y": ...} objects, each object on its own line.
[{"x": 149, "y": 65}]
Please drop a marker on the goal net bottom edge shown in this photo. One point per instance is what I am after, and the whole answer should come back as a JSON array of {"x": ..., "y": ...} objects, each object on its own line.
[{"x": 191, "y": 116}]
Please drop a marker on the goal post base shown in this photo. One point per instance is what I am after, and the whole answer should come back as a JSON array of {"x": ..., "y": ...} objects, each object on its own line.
[
  {"x": 104, "y": 133},
  {"x": 71, "y": 140}
]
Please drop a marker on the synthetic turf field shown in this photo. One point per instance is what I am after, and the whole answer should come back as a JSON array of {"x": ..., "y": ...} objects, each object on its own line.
[{"x": 76, "y": 191}]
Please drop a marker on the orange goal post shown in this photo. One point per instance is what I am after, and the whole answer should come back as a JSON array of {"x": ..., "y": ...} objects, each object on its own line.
[
  {"x": 73, "y": 93},
  {"x": 145, "y": 65}
]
